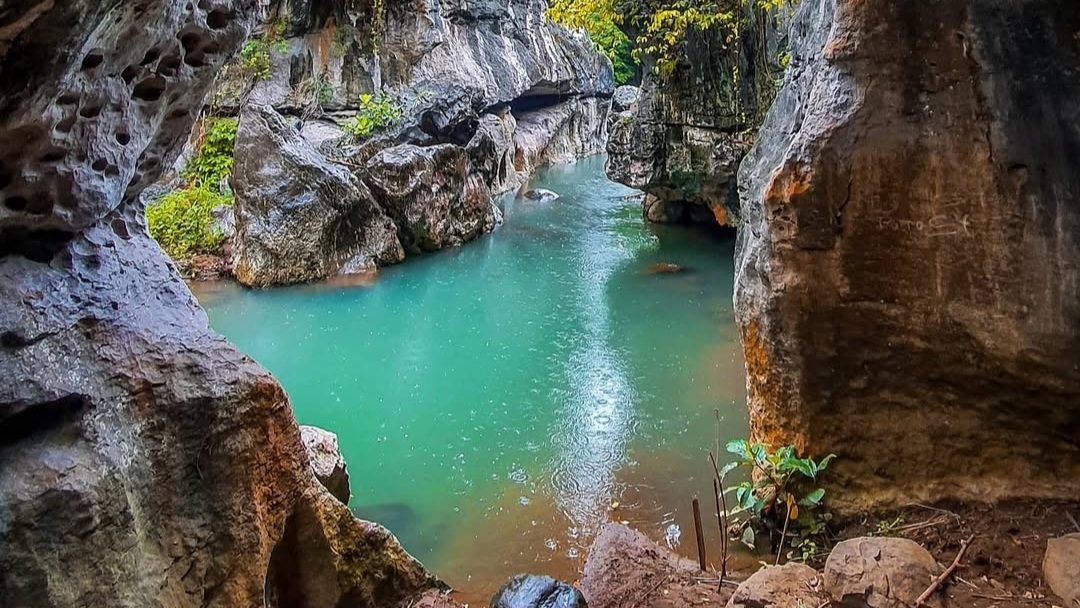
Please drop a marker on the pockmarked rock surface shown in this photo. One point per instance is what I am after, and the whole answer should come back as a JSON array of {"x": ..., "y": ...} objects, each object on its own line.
[
  {"x": 879, "y": 572},
  {"x": 908, "y": 272},
  {"x": 681, "y": 137},
  {"x": 533, "y": 591},
  {"x": 144, "y": 461},
  {"x": 1061, "y": 567},
  {"x": 786, "y": 586},
  {"x": 326, "y": 461},
  {"x": 500, "y": 82}
]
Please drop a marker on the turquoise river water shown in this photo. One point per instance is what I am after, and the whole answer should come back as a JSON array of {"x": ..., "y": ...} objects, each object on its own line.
[{"x": 498, "y": 402}]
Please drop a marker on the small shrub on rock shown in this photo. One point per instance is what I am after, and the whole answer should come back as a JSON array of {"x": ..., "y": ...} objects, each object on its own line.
[{"x": 376, "y": 112}]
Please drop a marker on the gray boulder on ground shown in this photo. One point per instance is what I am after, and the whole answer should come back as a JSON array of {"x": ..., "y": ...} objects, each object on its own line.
[
  {"x": 786, "y": 586},
  {"x": 879, "y": 572},
  {"x": 327, "y": 461},
  {"x": 300, "y": 217},
  {"x": 1061, "y": 567},
  {"x": 532, "y": 591}
]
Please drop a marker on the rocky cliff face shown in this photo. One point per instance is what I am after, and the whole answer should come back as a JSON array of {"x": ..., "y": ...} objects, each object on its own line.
[
  {"x": 144, "y": 461},
  {"x": 486, "y": 92},
  {"x": 683, "y": 139},
  {"x": 908, "y": 276}
]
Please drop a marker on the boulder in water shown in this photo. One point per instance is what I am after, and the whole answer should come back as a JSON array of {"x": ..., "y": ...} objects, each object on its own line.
[
  {"x": 327, "y": 461},
  {"x": 665, "y": 268},
  {"x": 533, "y": 591},
  {"x": 542, "y": 195}
]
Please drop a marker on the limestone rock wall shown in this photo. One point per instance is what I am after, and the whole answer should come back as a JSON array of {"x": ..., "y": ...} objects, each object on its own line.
[
  {"x": 682, "y": 140},
  {"x": 497, "y": 82},
  {"x": 908, "y": 275},
  {"x": 144, "y": 461}
]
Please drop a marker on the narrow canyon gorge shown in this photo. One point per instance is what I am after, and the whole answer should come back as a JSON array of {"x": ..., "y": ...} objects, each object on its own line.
[{"x": 906, "y": 283}]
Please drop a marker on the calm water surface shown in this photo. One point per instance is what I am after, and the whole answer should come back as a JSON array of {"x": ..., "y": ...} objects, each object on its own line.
[{"x": 496, "y": 401}]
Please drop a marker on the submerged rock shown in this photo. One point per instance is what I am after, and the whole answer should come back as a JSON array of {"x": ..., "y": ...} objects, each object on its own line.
[
  {"x": 533, "y": 591},
  {"x": 326, "y": 461},
  {"x": 664, "y": 268},
  {"x": 1061, "y": 567},
  {"x": 786, "y": 586},
  {"x": 541, "y": 195},
  {"x": 879, "y": 572},
  {"x": 868, "y": 200}
]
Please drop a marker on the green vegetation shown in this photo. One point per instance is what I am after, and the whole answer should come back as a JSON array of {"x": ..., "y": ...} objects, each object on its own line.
[
  {"x": 214, "y": 160},
  {"x": 376, "y": 112},
  {"x": 182, "y": 221},
  {"x": 602, "y": 25},
  {"x": 659, "y": 27},
  {"x": 255, "y": 59},
  {"x": 782, "y": 499}
]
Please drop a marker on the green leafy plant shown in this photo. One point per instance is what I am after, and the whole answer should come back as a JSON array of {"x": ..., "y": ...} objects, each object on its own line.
[
  {"x": 255, "y": 58},
  {"x": 781, "y": 499},
  {"x": 182, "y": 221},
  {"x": 377, "y": 112},
  {"x": 600, "y": 22},
  {"x": 214, "y": 160},
  {"x": 889, "y": 527}
]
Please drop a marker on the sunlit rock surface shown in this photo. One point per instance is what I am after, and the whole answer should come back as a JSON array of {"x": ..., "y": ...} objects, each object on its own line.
[
  {"x": 908, "y": 275},
  {"x": 144, "y": 461}
]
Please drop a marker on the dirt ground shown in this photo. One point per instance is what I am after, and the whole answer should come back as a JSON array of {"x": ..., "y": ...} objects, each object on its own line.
[{"x": 1003, "y": 566}]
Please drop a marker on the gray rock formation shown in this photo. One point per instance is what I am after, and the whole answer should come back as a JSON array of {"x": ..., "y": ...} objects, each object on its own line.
[
  {"x": 685, "y": 134},
  {"x": 878, "y": 572},
  {"x": 300, "y": 217},
  {"x": 533, "y": 591},
  {"x": 496, "y": 80},
  {"x": 1061, "y": 567},
  {"x": 431, "y": 196},
  {"x": 144, "y": 461},
  {"x": 790, "y": 585},
  {"x": 909, "y": 271},
  {"x": 326, "y": 461}
]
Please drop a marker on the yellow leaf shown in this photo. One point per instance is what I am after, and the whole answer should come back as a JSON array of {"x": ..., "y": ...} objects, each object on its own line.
[{"x": 794, "y": 512}]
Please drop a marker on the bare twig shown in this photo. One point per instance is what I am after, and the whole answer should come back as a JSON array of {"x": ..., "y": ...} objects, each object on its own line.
[
  {"x": 939, "y": 510},
  {"x": 721, "y": 520},
  {"x": 783, "y": 535},
  {"x": 1073, "y": 520},
  {"x": 948, "y": 572},
  {"x": 652, "y": 590}
]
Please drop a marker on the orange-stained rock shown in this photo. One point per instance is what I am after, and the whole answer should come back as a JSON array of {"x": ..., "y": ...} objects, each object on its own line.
[{"x": 908, "y": 275}]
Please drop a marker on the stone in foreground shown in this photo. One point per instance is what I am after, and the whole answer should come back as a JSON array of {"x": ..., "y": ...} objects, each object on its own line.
[
  {"x": 532, "y": 591},
  {"x": 1061, "y": 567},
  {"x": 786, "y": 586},
  {"x": 879, "y": 572}
]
